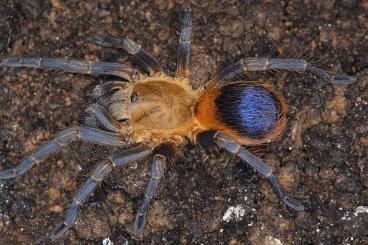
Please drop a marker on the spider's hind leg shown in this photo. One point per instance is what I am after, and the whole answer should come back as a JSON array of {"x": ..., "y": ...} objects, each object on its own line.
[
  {"x": 293, "y": 65},
  {"x": 163, "y": 153},
  {"x": 263, "y": 169}
]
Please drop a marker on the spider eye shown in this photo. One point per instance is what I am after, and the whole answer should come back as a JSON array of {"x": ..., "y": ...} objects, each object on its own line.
[{"x": 134, "y": 97}]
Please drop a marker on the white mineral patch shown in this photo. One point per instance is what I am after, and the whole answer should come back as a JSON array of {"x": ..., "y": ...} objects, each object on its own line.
[
  {"x": 234, "y": 213},
  {"x": 272, "y": 241},
  {"x": 360, "y": 210},
  {"x": 107, "y": 241}
]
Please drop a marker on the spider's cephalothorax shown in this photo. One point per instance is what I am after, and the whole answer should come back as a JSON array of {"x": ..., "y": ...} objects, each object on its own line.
[
  {"x": 156, "y": 112},
  {"x": 155, "y": 109}
]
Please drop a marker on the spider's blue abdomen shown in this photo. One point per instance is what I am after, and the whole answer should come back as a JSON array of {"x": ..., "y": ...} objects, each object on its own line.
[
  {"x": 257, "y": 109},
  {"x": 249, "y": 109}
]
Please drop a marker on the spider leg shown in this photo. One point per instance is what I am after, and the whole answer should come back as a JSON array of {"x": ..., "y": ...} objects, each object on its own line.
[
  {"x": 157, "y": 172},
  {"x": 298, "y": 65},
  {"x": 64, "y": 138},
  {"x": 101, "y": 96},
  {"x": 150, "y": 62},
  {"x": 73, "y": 66},
  {"x": 98, "y": 175},
  {"x": 263, "y": 169},
  {"x": 182, "y": 69},
  {"x": 106, "y": 88},
  {"x": 96, "y": 111}
]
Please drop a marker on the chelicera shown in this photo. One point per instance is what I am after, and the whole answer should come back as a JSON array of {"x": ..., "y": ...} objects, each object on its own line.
[{"x": 155, "y": 113}]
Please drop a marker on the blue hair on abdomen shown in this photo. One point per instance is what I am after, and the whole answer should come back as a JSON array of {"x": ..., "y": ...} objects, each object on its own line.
[
  {"x": 252, "y": 110},
  {"x": 257, "y": 109}
]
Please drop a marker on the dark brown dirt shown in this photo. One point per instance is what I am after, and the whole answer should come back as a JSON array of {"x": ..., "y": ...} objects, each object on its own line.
[{"x": 322, "y": 159}]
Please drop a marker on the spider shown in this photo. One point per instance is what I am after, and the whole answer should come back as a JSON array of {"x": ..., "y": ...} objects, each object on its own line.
[{"x": 155, "y": 113}]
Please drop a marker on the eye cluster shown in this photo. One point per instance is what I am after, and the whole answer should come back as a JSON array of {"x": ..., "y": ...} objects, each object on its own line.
[{"x": 134, "y": 97}]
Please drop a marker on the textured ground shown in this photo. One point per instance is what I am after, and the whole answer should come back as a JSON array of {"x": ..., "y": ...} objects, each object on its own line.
[{"x": 322, "y": 159}]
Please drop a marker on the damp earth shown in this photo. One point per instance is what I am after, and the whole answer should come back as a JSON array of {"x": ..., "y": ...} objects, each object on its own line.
[{"x": 206, "y": 197}]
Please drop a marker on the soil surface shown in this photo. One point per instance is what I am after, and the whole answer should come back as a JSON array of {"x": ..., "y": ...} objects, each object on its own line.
[{"x": 206, "y": 197}]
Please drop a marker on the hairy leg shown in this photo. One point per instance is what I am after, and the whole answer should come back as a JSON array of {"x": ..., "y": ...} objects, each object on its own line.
[
  {"x": 297, "y": 65},
  {"x": 64, "y": 138},
  {"x": 263, "y": 169},
  {"x": 157, "y": 172},
  {"x": 150, "y": 62},
  {"x": 97, "y": 112},
  {"x": 73, "y": 66},
  {"x": 182, "y": 69},
  {"x": 98, "y": 175}
]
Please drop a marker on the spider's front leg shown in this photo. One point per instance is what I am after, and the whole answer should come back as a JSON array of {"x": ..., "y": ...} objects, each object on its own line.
[
  {"x": 98, "y": 175},
  {"x": 73, "y": 66},
  {"x": 133, "y": 48},
  {"x": 225, "y": 142},
  {"x": 266, "y": 64},
  {"x": 162, "y": 154}
]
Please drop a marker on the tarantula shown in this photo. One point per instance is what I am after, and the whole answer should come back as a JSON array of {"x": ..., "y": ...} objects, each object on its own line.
[{"x": 157, "y": 112}]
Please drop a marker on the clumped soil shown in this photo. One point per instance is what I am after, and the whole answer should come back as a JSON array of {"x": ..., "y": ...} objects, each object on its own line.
[{"x": 322, "y": 159}]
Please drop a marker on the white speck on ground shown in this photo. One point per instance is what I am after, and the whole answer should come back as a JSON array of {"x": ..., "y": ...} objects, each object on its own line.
[
  {"x": 360, "y": 210},
  {"x": 4, "y": 220},
  {"x": 272, "y": 241},
  {"x": 107, "y": 241},
  {"x": 234, "y": 213}
]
